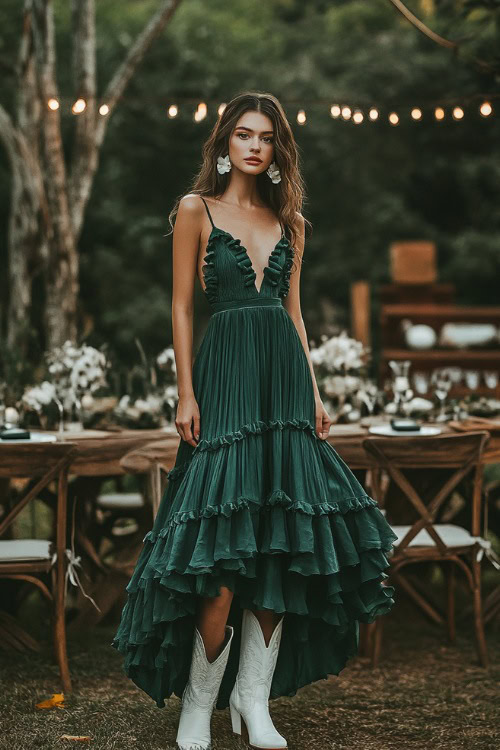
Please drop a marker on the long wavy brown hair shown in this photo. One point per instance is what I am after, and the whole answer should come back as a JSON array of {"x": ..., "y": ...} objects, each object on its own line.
[{"x": 286, "y": 197}]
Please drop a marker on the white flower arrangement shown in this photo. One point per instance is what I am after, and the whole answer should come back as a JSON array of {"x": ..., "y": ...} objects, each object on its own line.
[
  {"x": 339, "y": 354},
  {"x": 76, "y": 370},
  {"x": 37, "y": 396},
  {"x": 340, "y": 363},
  {"x": 76, "y": 373}
]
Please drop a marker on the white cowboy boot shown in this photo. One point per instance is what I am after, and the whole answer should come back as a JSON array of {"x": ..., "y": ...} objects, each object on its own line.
[
  {"x": 250, "y": 694},
  {"x": 200, "y": 694}
]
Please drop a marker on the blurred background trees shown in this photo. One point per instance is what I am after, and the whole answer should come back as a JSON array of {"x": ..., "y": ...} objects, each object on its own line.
[{"x": 367, "y": 185}]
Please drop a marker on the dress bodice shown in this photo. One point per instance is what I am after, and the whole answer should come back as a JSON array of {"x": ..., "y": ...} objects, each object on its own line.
[{"x": 228, "y": 272}]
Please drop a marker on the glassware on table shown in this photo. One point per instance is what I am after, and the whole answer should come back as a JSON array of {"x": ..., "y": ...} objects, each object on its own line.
[
  {"x": 472, "y": 379},
  {"x": 402, "y": 392},
  {"x": 421, "y": 382},
  {"x": 491, "y": 378},
  {"x": 442, "y": 380}
]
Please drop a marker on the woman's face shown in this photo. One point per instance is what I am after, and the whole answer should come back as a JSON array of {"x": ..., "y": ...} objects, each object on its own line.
[{"x": 253, "y": 137}]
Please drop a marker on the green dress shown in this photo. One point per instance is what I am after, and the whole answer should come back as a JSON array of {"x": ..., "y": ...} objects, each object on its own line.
[{"x": 261, "y": 505}]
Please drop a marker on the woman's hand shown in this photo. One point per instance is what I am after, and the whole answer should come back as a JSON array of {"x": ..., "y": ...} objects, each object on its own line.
[
  {"x": 323, "y": 421},
  {"x": 187, "y": 419}
]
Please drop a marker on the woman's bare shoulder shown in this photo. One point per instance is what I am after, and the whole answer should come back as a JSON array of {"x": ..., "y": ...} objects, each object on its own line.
[{"x": 191, "y": 205}]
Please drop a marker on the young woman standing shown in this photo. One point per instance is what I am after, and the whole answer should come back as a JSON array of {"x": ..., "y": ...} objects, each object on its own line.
[{"x": 266, "y": 552}]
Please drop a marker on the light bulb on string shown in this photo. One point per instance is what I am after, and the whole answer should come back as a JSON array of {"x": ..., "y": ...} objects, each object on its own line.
[
  {"x": 201, "y": 112},
  {"x": 173, "y": 111},
  {"x": 358, "y": 117},
  {"x": 439, "y": 113},
  {"x": 394, "y": 118},
  {"x": 485, "y": 109},
  {"x": 457, "y": 113},
  {"x": 335, "y": 110},
  {"x": 373, "y": 114},
  {"x": 221, "y": 108},
  {"x": 416, "y": 113},
  {"x": 346, "y": 113},
  {"x": 104, "y": 110},
  {"x": 79, "y": 106},
  {"x": 53, "y": 104},
  {"x": 301, "y": 117}
]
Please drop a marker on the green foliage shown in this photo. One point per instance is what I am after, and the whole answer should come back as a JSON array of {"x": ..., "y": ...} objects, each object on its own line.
[{"x": 367, "y": 185}]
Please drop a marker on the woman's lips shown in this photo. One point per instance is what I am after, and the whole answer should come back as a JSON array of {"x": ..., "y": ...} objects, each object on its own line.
[{"x": 254, "y": 161}]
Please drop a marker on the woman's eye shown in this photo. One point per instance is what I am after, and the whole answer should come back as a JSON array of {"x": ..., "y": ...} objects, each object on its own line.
[{"x": 267, "y": 138}]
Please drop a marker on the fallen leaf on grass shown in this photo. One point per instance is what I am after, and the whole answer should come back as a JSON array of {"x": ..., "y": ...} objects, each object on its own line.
[
  {"x": 57, "y": 701},
  {"x": 74, "y": 738}
]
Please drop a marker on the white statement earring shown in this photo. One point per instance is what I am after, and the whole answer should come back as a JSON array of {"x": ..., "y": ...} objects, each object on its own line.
[
  {"x": 274, "y": 173},
  {"x": 223, "y": 164}
]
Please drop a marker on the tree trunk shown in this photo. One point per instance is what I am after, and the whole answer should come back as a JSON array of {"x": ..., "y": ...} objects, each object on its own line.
[{"x": 48, "y": 200}]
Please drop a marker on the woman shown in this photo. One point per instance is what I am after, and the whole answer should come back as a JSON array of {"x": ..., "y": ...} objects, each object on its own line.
[{"x": 266, "y": 552}]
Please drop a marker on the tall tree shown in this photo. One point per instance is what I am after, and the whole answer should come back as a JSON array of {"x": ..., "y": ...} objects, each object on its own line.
[{"x": 49, "y": 192}]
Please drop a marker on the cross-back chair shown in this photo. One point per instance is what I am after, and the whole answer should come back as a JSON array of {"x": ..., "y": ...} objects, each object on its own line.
[
  {"x": 38, "y": 561},
  {"x": 426, "y": 540}
]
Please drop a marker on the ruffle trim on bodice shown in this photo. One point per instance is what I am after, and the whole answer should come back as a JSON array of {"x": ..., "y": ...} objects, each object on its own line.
[
  {"x": 276, "y": 272},
  {"x": 252, "y": 428},
  {"x": 209, "y": 271},
  {"x": 287, "y": 269},
  {"x": 274, "y": 268},
  {"x": 242, "y": 259}
]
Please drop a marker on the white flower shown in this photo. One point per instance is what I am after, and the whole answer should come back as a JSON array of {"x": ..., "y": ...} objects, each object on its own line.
[
  {"x": 166, "y": 359},
  {"x": 223, "y": 164},
  {"x": 274, "y": 173},
  {"x": 39, "y": 395}
]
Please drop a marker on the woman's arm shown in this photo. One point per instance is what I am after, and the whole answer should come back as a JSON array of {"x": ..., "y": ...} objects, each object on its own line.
[
  {"x": 292, "y": 305},
  {"x": 186, "y": 239}
]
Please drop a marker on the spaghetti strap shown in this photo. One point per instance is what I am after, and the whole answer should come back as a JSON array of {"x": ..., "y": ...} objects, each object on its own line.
[{"x": 208, "y": 211}]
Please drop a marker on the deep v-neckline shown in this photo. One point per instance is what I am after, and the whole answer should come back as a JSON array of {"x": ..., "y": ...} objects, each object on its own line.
[{"x": 244, "y": 249}]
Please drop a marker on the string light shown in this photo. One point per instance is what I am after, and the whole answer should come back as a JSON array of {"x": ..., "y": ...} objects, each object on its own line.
[
  {"x": 201, "y": 112},
  {"x": 485, "y": 109},
  {"x": 79, "y": 106},
  {"x": 346, "y": 112}
]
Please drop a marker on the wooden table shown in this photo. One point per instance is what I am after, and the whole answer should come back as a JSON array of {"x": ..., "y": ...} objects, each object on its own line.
[{"x": 100, "y": 452}]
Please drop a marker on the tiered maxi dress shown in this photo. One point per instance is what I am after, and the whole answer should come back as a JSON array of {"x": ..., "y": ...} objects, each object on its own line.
[{"x": 261, "y": 505}]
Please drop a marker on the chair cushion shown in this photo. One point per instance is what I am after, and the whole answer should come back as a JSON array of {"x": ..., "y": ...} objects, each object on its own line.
[
  {"x": 24, "y": 549},
  {"x": 115, "y": 501},
  {"x": 452, "y": 536}
]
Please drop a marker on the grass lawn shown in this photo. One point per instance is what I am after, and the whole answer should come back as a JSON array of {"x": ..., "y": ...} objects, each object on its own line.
[{"x": 426, "y": 695}]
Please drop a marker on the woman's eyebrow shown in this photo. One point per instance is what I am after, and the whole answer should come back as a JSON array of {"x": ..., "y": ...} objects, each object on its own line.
[{"x": 242, "y": 127}]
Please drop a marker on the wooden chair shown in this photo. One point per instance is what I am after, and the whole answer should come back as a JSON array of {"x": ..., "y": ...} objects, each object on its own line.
[
  {"x": 33, "y": 560},
  {"x": 150, "y": 460},
  {"x": 424, "y": 540}
]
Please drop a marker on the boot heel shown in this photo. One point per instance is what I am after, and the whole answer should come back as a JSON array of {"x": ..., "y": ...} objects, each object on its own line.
[{"x": 235, "y": 719}]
